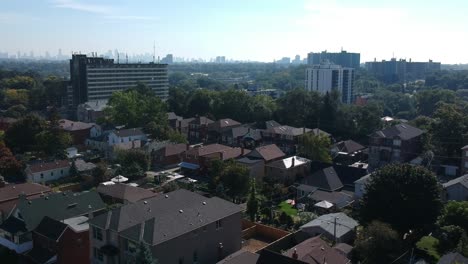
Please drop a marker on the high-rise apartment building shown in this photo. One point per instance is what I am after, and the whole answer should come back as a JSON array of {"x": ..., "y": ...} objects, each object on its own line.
[
  {"x": 96, "y": 78},
  {"x": 401, "y": 70},
  {"x": 343, "y": 58},
  {"x": 326, "y": 77}
]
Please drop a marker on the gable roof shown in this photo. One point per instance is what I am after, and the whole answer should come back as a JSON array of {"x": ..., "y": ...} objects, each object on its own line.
[
  {"x": 186, "y": 121},
  {"x": 348, "y": 146},
  {"x": 12, "y": 191},
  {"x": 237, "y": 131},
  {"x": 173, "y": 149},
  {"x": 58, "y": 206},
  {"x": 344, "y": 224},
  {"x": 173, "y": 116},
  {"x": 364, "y": 179},
  {"x": 201, "y": 120},
  {"x": 125, "y": 192},
  {"x": 164, "y": 217},
  {"x": 403, "y": 131},
  {"x": 288, "y": 130},
  {"x": 50, "y": 228},
  {"x": 315, "y": 250},
  {"x": 69, "y": 125},
  {"x": 240, "y": 257},
  {"x": 83, "y": 166},
  {"x": 463, "y": 180},
  {"x": 222, "y": 124},
  {"x": 207, "y": 149},
  {"x": 267, "y": 153},
  {"x": 339, "y": 199},
  {"x": 46, "y": 166},
  {"x": 129, "y": 132},
  {"x": 287, "y": 163},
  {"x": 325, "y": 179}
]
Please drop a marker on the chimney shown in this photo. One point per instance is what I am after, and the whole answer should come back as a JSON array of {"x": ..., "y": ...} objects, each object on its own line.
[
  {"x": 294, "y": 255},
  {"x": 220, "y": 252},
  {"x": 293, "y": 162},
  {"x": 242, "y": 150},
  {"x": 187, "y": 146},
  {"x": 90, "y": 213}
]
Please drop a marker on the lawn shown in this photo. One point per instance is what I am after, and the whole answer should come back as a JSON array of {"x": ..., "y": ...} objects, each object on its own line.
[
  {"x": 288, "y": 209},
  {"x": 429, "y": 245}
]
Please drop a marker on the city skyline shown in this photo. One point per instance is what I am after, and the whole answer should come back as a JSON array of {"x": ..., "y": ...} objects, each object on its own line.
[{"x": 259, "y": 31}]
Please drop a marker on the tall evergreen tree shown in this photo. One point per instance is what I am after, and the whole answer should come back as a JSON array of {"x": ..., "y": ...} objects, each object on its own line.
[
  {"x": 252, "y": 203},
  {"x": 144, "y": 255}
]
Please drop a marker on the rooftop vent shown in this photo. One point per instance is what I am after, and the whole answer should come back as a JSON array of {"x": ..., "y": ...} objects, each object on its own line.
[
  {"x": 72, "y": 205},
  {"x": 167, "y": 196},
  {"x": 181, "y": 211},
  {"x": 145, "y": 202},
  {"x": 204, "y": 203}
]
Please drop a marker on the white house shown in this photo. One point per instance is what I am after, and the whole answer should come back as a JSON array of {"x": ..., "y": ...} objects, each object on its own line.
[
  {"x": 360, "y": 186},
  {"x": 47, "y": 171},
  {"x": 125, "y": 136}
]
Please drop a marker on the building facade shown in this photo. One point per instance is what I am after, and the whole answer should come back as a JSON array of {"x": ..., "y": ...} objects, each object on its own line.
[
  {"x": 401, "y": 70},
  {"x": 96, "y": 78},
  {"x": 326, "y": 77},
  {"x": 47, "y": 171},
  {"x": 343, "y": 58}
]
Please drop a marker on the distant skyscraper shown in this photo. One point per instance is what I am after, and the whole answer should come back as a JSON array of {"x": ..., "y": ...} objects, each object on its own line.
[
  {"x": 220, "y": 59},
  {"x": 284, "y": 60},
  {"x": 297, "y": 60},
  {"x": 95, "y": 78},
  {"x": 343, "y": 58},
  {"x": 326, "y": 77},
  {"x": 169, "y": 59}
]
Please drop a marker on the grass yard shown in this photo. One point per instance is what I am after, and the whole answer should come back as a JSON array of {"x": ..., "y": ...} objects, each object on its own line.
[
  {"x": 429, "y": 245},
  {"x": 288, "y": 209}
]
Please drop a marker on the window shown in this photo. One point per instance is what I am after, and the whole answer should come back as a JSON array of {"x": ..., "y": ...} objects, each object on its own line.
[
  {"x": 51, "y": 173},
  {"x": 397, "y": 142},
  {"x": 42, "y": 175},
  {"x": 61, "y": 171},
  {"x": 466, "y": 164},
  {"x": 204, "y": 229},
  {"x": 130, "y": 247},
  {"x": 97, "y": 233},
  {"x": 219, "y": 224},
  {"x": 98, "y": 254}
]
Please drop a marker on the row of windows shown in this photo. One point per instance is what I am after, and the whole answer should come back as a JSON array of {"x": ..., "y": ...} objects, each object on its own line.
[{"x": 51, "y": 174}]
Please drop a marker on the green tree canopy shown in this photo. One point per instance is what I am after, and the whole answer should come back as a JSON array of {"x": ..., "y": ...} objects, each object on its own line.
[
  {"x": 21, "y": 136},
  {"x": 405, "y": 196},
  {"x": 454, "y": 213},
  {"x": 144, "y": 255},
  {"x": 315, "y": 147}
]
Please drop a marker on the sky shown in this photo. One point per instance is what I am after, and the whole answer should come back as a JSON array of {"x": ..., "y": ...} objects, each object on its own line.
[{"x": 258, "y": 30}]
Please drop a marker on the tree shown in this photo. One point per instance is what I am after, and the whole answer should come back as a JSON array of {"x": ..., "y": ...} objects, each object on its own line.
[
  {"x": 53, "y": 140},
  {"x": 235, "y": 179},
  {"x": 16, "y": 111},
  {"x": 133, "y": 163},
  {"x": 299, "y": 108},
  {"x": 21, "y": 136},
  {"x": 455, "y": 213},
  {"x": 377, "y": 243},
  {"x": 73, "y": 169},
  {"x": 405, "y": 196},
  {"x": 144, "y": 255},
  {"x": 10, "y": 167},
  {"x": 315, "y": 147},
  {"x": 426, "y": 101},
  {"x": 252, "y": 202},
  {"x": 101, "y": 173},
  {"x": 452, "y": 238}
]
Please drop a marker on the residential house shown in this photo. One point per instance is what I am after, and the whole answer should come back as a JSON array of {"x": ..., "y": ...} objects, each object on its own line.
[
  {"x": 9, "y": 196},
  {"x": 360, "y": 186},
  {"x": 256, "y": 167},
  {"x": 336, "y": 227},
  {"x": 62, "y": 242},
  {"x": 217, "y": 128},
  {"x": 288, "y": 169},
  {"x": 267, "y": 153},
  {"x": 178, "y": 227},
  {"x": 83, "y": 167},
  {"x": 89, "y": 112},
  {"x": 109, "y": 142},
  {"x": 316, "y": 251},
  {"x": 396, "y": 144},
  {"x": 311, "y": 195},
  {"x": 79, "y": 131},
  {"x": 173, "y": 119},
  {"x": 42, "y": 172},
  {"x": 453, "y": 258},
  {"x": 233, "y": 136},
  {"x": 126, "y": 135},
  {"x": 201, "y": 156},
  {"x": 16, "y": 230},
  {"x": 325, "y": 179},
  {"x": 169, "y": 155},
  {"x": 184, "y": 125},
  {"x": 198, "y": 129},
  {"x": 456, "y": 189},
  {"x": 123, "y": 193},
  {"x": 348, "y": 152},
  {"x": 287, "y": 137},
  {"x": 464, "y": 161}
]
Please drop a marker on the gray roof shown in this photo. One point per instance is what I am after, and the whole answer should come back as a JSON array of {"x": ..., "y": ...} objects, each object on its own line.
[
  {"x": 325, "y": 179},
  {"x": 125, "y": 192},
  {"x": 307, "y": 188},
  {"x": 240, "y": 257},
  {"x": 58, "y": 206},
  {"x": 344, "y": 224},
  {"x": 364, "y": 180},
  {"x": 129, "y": 132},
  {"x": 348, "y": 146},
  {"x": 463, "y": 180},
  {"x": 165, "y": 216},
  {"x": 339, "y": 199},
  {"x": 453, "y": 258},
  {"x": 83, "y": 166},
  {"x": 403, "y": 131},
  {"x": 50, "y": 228}
]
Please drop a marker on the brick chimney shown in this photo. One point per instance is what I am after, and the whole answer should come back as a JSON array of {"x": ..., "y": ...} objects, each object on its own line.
[
  {"x": 242, "y": 150},
  {"x": 293, "y": 162},
  {"x": 187, "y": 146},
  {"x": 294, "y": 255}
]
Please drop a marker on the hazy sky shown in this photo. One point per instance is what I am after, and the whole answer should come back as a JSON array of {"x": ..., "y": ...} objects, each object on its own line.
[{"x": 242, "y": 29}]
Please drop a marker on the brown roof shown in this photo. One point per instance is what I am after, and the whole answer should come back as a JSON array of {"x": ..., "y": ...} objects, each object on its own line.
[
  {"x": 316, "y": 251},
  {"x": 208, "y": 149},
  {"x": 174, "y": 149},
  {"x": 52, "y": 165},
  {"x": 9, "y": 194},
  {"x": 69, "y": 125},
  {"x": 223, "y": 123},
  {"x": 267, "y": 153},
  {"x": 185, "y": 122},
  {"x": 229, "y": 153},
  {"x": 201, "y": 120},
  {"x": 125, "y": 192}
]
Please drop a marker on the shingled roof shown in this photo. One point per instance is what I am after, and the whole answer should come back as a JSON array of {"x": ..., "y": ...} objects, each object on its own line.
[
  {"x": 125, "y": 192},
  {"x": 223, "y": 124},
  {"x": 325, "y": 179},
  {"x": 50, "y": 228},
  {"x": 315, "y": 250},
  {"x": 348, "y": 146},
  {"x": 58, "y": 206},
  {"x": 69, "y": 125},
  {"x": 164, "y": 217},
  {"x": 463, "y": 180},
  {"x": 51, "y": 165},
  {"x": 267, "y": 153},
  {"x": 403, "y": 131},
  {"x": 129, "y": 132}
]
